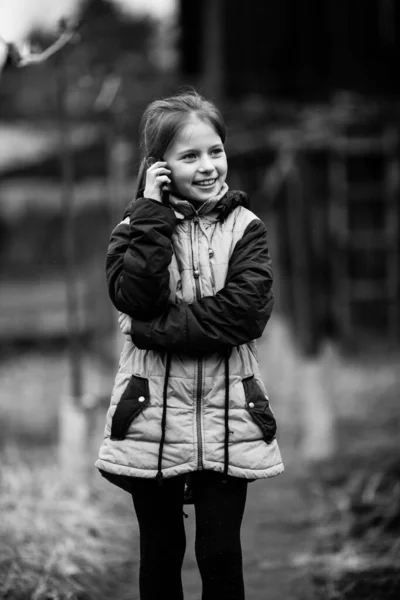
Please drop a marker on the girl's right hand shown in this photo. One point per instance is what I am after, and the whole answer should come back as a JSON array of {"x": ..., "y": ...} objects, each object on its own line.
[{"x": 157, "y": 180}]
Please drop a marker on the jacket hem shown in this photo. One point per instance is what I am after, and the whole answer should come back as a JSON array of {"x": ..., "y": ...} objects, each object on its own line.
[{"x": 241, "y": 472}]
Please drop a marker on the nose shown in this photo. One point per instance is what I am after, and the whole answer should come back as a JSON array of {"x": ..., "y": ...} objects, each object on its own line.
[{"x": 205, "y": 164}]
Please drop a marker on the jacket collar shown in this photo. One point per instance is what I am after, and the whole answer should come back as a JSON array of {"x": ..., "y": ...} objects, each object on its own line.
[
  {"x": 186, "y": 210},
  {"x": 221, "y": 205}
]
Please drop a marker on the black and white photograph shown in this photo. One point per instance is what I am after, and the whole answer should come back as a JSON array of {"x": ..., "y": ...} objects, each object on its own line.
[{"x": 199, "y": 300}]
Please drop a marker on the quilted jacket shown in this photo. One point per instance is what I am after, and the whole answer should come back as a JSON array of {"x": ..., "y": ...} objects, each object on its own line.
[{"x": 188, "y": 393}]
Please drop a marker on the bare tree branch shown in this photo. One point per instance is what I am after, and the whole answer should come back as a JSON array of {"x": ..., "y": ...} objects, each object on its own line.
[
  {"x": 33, "y": 57},
  {"x": 21, "y": 56}
]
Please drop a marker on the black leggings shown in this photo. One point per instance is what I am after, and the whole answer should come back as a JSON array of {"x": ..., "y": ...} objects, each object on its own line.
[{"x": 219, "y": 509}]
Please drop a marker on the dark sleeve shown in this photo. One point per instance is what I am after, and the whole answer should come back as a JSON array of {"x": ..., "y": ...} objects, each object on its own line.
[
  {"x": 237, "y": 314},
  {"x": 138, "y": 257}
]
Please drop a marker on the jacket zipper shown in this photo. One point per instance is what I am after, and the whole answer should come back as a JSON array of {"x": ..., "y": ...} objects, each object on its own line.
[
  {"x": 196, "y": 275},
  {"x": 210, "y": 255}
]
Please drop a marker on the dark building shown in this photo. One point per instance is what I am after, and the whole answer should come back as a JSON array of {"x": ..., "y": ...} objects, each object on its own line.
[{"x": 291, "y": 48}]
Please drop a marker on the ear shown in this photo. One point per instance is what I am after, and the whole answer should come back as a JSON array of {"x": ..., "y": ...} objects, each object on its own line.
[{"x": 150, "y": 161}]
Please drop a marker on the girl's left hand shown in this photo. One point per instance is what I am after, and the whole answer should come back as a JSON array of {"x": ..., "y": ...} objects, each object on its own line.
[{"x": 125, "y": 323}]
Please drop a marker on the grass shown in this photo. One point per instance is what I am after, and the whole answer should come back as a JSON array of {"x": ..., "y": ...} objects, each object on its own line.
[
  {"x": 357, "y": 499},
  {"x": 59, "y": 542},
  {"x": 354, "y": 495}
]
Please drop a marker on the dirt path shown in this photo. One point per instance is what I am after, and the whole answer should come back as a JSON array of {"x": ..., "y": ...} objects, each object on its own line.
[{"x": 276, "y": 538}]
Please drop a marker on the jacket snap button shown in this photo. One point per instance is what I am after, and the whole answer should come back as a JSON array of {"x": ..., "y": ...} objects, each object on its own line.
[
  {"x": 251, "y": 404},
  {"x": 196, "y": 273},
  {"x": 141, "y": 398}
]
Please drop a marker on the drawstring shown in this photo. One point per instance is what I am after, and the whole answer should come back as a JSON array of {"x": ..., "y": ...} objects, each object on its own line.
[
  {"x": 159, "y": 475},
  {"x": 226, "y": 439}
]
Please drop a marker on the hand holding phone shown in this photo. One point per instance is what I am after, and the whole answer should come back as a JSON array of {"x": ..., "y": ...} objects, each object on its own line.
[{"x": 157, "y": 180}]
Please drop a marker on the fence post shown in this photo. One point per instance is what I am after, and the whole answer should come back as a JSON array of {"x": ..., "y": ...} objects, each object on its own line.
[{"x": 73, "y": 419}]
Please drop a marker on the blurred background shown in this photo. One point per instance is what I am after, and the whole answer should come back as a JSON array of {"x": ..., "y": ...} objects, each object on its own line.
[{"x": 310, "y": 94}]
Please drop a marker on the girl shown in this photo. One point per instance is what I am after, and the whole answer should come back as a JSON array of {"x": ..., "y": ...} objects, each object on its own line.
[{"x": 190, "y": 272}]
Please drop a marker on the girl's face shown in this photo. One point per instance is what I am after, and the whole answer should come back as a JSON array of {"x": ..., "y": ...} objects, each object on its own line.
[{"x": 197, "y": 161}]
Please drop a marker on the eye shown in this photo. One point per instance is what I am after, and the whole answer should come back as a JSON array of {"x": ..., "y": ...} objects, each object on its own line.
[
  {"x": 189, "y": 156},
  {"x": 217, "y": 151}
]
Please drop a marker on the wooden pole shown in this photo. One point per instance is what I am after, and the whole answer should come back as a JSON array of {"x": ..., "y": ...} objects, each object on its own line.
[
  {"x": 73, "y": 426},
  {"x": 67, "y": 192},
  {"x": 319, "y": 432}
]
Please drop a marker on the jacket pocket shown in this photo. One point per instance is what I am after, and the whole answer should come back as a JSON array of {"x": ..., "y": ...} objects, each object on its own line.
[
  {"x": 132, "y": 402},
  {"x": 258, "y": 406}
]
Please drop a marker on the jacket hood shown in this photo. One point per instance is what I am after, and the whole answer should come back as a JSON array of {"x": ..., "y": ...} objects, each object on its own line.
[{"x": 230, "y": 201}]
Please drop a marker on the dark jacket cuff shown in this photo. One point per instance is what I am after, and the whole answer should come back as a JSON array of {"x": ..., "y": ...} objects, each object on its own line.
[
  {"x": 152, "y": 208},
  {"x": 141, "y": 334}
]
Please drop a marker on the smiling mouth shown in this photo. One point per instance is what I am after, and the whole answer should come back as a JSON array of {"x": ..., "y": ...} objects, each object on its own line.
[{"x": 205, "y": 183}]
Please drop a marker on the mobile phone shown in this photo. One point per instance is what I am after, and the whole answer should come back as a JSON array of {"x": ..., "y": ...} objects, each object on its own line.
[{"x": 165, "y": 197}]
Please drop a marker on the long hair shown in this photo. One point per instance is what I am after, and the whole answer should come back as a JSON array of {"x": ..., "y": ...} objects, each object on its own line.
[{"x": 163, "y": 119}]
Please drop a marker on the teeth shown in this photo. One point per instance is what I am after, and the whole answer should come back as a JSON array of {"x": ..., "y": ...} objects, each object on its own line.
[{"x": 205, "y": 183}]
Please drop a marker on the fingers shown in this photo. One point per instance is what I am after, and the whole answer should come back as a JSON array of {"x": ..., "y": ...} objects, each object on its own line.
[
  {"x": 158, "y": 171},
  {"x": 159, "y": 175},
  {"x": 159, "y": 168},
  {"x": 163, "y": 177},
  {"x": 163, "y": 180},
  {"x": 157, "y": 165},
  {"x": 157, "y": 180}
]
